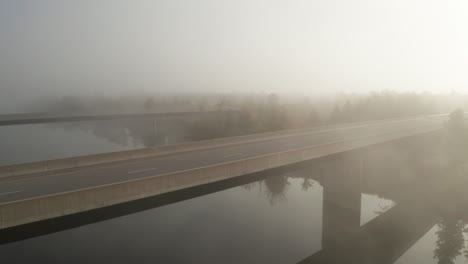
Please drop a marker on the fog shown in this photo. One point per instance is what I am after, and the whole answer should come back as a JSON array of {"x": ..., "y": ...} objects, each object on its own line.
[
  {"x": 60, "y": 48},
  {"x": 245, "y": 131}
]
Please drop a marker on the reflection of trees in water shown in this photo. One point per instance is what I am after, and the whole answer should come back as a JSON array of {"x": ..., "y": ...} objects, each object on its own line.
[
  {"x": 452, "y": 228},
  {"x": 450, "y": 241},
  {"x": 276, "y": 188},
  {"x": 450, "y": 236},
  {"x": 448, "y": 195},
  {"x": 143, "y": 132},
  {"x": 273, "y": 187},
  {"x": 146, "y": 132},
  {"x": 110, "y": 130},
  {"x": 306, "y": 184}
]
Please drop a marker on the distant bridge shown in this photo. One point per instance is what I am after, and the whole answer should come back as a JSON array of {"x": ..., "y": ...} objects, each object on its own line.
[{"x": 36, "y": 118}]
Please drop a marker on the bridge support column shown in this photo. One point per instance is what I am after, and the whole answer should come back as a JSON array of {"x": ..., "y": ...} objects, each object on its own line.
[{"x": 341, "y": 208}]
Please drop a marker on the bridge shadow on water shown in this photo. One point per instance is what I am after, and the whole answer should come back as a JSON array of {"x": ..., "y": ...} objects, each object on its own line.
[{"x": 427, "y": 189}]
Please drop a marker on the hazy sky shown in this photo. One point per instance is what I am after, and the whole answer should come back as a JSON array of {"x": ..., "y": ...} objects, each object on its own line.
[{"x": 69, "y": 47}]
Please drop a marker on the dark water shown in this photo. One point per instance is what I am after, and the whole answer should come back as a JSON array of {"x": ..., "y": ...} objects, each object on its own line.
[{"x": 36, "y": 142}]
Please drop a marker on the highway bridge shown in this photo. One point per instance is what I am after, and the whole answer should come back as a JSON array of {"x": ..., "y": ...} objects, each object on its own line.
[
  {"x": 48, "y": 189},
  {"x": 344, "y": 240},
  {"x": 39, "y": 118}
]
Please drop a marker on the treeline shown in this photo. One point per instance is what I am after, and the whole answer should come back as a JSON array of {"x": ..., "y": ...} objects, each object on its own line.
[
  {"x": 382, "y": 106},
  {"x": 273, "y": 113},
  {"x": 258, "y": 113},
  {"x": 252, "y": 116},
  {"x": 127, "y": 104}
]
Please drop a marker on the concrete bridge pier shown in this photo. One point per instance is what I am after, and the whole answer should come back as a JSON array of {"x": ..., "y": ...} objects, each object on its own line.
[{"x": 341, "y": 209}]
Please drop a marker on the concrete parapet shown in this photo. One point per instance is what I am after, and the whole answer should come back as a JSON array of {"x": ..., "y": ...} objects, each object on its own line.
[
  {"x": 61, "y": 164},
  {"x": 6, "y": 171},
  {"x": 102, "y": 158},
  {"x": 28, "y": 168}
]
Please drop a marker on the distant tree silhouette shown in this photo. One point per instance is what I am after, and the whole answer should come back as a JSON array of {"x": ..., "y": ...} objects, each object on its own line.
[
  {"x": 336, "y": 115},
  {"x": 72, "y": 104},
  {"x": 380, "y": 106},
  {"x": 457, "y": 137},
  {"x": 149, "y": 104},
  {"x": 275, "y": 117},
  {"x": 313, "y": 118}
]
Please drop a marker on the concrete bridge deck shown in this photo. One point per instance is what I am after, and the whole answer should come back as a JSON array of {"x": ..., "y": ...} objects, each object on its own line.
[{"x": 40, "y": 196}]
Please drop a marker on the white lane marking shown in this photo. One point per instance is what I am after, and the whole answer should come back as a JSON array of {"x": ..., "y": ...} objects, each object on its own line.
[
  {"x": 141, "y": 170},
  {"x": 232, "y": 155},
  {"x": 6, "y": 193}
]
